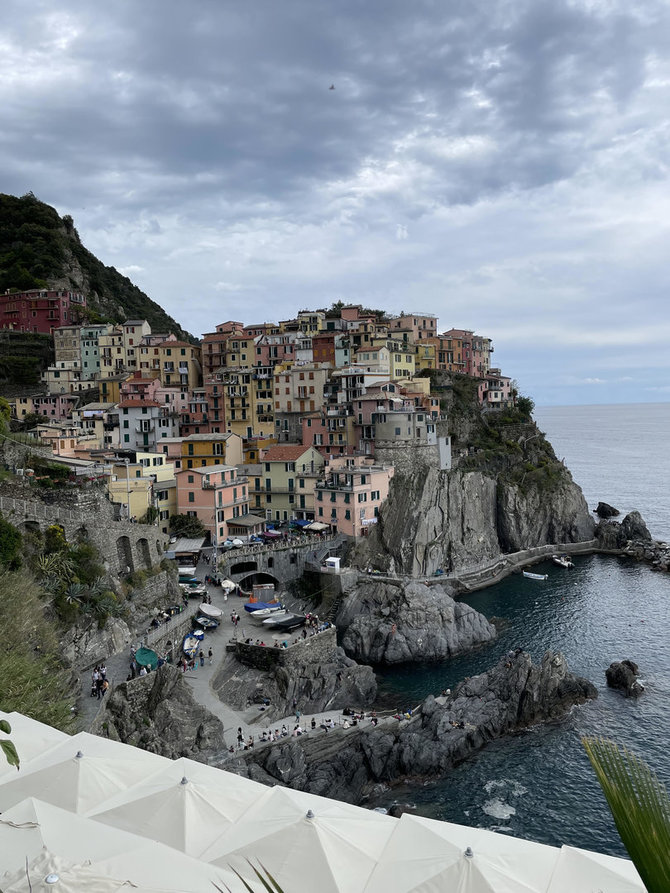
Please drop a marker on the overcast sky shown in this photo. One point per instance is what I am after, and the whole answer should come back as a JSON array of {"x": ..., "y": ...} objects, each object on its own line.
[{"x": 503, "y": 165}]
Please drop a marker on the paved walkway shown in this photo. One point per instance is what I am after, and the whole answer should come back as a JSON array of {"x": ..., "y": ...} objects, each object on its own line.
[{"x": 200, "y": 678}]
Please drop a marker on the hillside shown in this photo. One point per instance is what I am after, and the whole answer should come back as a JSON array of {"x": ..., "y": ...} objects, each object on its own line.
[{"x": 39, "y": 248}]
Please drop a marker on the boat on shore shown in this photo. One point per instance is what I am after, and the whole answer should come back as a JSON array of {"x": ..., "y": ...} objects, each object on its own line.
[
  {"x": 285, "y": 624},
  {"x": 254, "y": 607},
  {"x": 531, "y": 576},
  {"x": 562, "y": 561},
  {"x": 207, "y": 623},
  {"x": 190, "y": 646},
  {"x": 210, "y": 611}
]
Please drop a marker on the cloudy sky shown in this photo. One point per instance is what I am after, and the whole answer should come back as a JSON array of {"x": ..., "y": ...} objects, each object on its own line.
[{"x": 503, "y": 164}]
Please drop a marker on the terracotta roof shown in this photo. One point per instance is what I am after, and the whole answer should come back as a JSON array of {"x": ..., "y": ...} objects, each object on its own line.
[
  {"x": 132, "y": 404},
  {"x": 175, "y": 344},
  {"x": 287, "y": 453}
]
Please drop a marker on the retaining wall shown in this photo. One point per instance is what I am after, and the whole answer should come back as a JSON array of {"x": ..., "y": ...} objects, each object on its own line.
[{"x": 312, "y": 650}]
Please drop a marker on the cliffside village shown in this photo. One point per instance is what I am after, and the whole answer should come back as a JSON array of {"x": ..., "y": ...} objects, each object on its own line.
[{"x": 257, "y": 425}]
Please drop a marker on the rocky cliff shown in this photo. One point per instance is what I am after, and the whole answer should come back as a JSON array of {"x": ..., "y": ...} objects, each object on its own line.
[
  {"x": 506, "y": 492},
  {"x": 443, "y": 732},
  {"x": 390, "y": 622},
  {"x": 313, "y": 686},
  {"x": 158, "y": 713}
]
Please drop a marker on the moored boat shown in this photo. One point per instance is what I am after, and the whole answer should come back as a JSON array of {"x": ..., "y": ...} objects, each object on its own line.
[
  {"x": 207, "y": 622},
  {"x": 210, "y": 611},
  {"x": 562, "y": 561},
  {"x": 530, "y": 576},
  {"x": 252, "y": 607},
  {"x": 191, "y": 645},
  {"x": 285, "y": 624}
]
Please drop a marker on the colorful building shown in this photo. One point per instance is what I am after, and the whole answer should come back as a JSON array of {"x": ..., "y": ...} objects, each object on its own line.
[
  {"x": 216, "y": 495},
  {"x": 284, "y": 466},
  {"x": 351, "y": 495},
  {"x": 41, "y": 310}
]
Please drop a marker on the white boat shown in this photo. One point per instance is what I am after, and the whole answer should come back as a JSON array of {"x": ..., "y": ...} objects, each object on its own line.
[
  {"x": 211, "y": 611},
  {"x": 562, "y": 561},
  {"x": 535, "y": 576},
  {"x": 265, "y": 613}
]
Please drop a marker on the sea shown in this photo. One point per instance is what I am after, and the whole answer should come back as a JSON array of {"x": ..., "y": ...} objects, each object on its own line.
[{"x": 538, "y": 784}]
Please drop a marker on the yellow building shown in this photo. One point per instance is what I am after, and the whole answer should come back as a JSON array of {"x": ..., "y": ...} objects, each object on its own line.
[
  {"x": 284, "y": 467},
  {"x": 146, "y": 484},
  {"x": 247, "y": 399},
  {"x": 201, "y": 450},
  {"x": 179, "y": 364},
  {"x": 425, "y": 355},
  {"x": 112, "y": 353}
]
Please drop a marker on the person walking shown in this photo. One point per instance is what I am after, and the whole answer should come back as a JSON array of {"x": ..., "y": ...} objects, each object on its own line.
[
  {"x": 202, "y": 658},
  {"x": 210, "y": 654},
  {"x": 240, "y": 737}
]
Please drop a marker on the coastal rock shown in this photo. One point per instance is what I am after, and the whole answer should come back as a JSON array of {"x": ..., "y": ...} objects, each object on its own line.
[
  {"x": 158, "y": 713},
  {"x": 605, "y": 510},
  {"x": 312, "y": 687},
  {"x": 389, "y": 622},
  {"x": 634, "y": 528},
  {"x": 459, "y": 520},
  {"x": 623, "y": 675},
  {"x": 442, "y": 732}
]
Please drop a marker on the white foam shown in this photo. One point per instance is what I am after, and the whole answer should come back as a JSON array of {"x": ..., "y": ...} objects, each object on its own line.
[{"x": 498, "y": 809}]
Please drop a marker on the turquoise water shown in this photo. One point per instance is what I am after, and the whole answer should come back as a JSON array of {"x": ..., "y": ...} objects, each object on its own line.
[{"x": 538, "y": 784}]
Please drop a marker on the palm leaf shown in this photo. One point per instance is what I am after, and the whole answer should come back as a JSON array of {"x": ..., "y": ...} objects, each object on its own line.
[
  {"x": 270, "y": 885},
  {"x": 640, "y": 806}
]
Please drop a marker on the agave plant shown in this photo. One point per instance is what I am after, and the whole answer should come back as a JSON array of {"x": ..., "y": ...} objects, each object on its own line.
[
  {"x": 270, "y": 885},
  {"x": 56, "y": 566},
  {"x": 640, "y": 806}
]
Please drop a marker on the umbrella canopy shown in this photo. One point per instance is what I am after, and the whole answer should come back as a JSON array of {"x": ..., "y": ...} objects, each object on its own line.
[
  {"x": 80, "y": 773},
  {"x": 186, "y": 805},
  {"x": 210, "y": 611},
  {"x": 334, "y": 844},
  {"x": 32, "y": 826},
  {"x": 427, "y": 856},
  {"x": 48, "y": 872},
  {"x": 31, "y": 738},
  {"x": 145, "y": 657},
  {"x": 581, "y": 871},
  {"x": 228, "y": 585}
]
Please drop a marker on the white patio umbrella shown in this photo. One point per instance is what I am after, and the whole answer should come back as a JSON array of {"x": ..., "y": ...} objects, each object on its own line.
[
  {"x": 32, "y": 826},
  {"x": 307, "y": 843},
  {"x": 228, "y": 585},
  {"x": 79, "y": 773},
  {"x": 186, "y": 805},
  {"x": 428, "y": 856},
  {"x": 31, "y": 738},
  {"x": 48, "y": 873},
  {"x": 581, "y": 871}
]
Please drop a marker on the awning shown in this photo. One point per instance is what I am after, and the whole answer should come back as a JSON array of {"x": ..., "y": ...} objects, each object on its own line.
[
  {"x": 246, "y": 521},
  {"x": 316, "y": 526},
  {"x": 300, "y": 523},
  {"x": 186, "y": 546}
]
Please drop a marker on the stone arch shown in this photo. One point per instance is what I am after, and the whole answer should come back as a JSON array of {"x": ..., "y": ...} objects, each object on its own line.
[
  {"x": 247, "y": 584},
  {"x": 144, "y": 553},
  {"x": 82, "y": 533},
  {"x": 242, "y": 567},
  {"x": 125, "y": 555}
]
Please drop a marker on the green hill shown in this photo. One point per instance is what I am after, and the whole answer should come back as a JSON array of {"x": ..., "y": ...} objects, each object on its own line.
[{"x": 39, "y": 249}]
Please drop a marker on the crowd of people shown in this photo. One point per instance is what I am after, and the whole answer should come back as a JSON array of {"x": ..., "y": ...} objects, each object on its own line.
[{"x": 99, "y": 681}]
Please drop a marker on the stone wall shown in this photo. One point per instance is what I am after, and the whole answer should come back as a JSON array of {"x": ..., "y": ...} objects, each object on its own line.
[
  {"x": 284, "y": 562},
  {"x": 90, "y": 516},
  {"x": 318, "y": 649}
]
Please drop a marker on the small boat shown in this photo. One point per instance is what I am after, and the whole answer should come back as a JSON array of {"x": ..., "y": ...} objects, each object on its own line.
[
  {"x": 562, "y": 561},
  {"x": 285, "y": 624},
  {"x": 198, "y": 633},
  {"x": 530, "y": 576},
  {"x": 193, "y": 590},
  {"x": 207, "y": 622},
  {"x": 252, "y": 607},
  {"x": 211, "y": 611},
  {"x": 190, "y": 646},
  {"x": 264, "y": 613}
]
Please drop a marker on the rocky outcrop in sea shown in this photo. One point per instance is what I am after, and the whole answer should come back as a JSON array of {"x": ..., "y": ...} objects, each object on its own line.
[
  {"x": 631, "y": 537},
  {"x": 622, "y": 675},
  {"x": 395, "y": 622},
  {"x": 442, "y": 732}
]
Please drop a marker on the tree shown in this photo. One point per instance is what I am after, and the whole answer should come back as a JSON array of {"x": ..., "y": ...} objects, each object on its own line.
[
  {"x": 525, "y": 406},
  {"x": 187, "y": 525},
  {"x": 640, "y": 807},
  {"x": 5, "y": 415},
  {"x": 10, "y": 545}
]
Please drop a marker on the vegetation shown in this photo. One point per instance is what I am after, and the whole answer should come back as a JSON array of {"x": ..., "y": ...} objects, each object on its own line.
[
  {"x": 23, "y": 357},
  {"x": 640, "y": 807},
  {"x": 6, "y": 746},
  {"x": 187, "y": 525},
  {"x": 10, "y": 546},
  {"x": 35, "y": 681},
  {"x": 38, "y": 248}
]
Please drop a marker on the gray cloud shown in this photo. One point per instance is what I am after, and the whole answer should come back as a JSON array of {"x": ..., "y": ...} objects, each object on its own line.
[{"x": 503, "y": 164}]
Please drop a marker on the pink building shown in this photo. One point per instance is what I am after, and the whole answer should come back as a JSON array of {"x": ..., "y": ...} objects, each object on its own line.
[
  {"x": 41, "y": 310},
  {"x": 495, "y": 392},
  {"x": 214, "y": 494},
  {"x": 352, "y": 494},
  {"x": 137, "y": 387}
]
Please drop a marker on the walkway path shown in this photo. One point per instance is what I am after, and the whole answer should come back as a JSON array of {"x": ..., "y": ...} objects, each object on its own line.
[{"x": 200, "y": 679}]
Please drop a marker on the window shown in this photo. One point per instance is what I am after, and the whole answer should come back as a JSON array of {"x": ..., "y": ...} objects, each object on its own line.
[
  {"x": 347, "y": 515},
  {"x": 320, "y": 512},
  {"x": 191, "y": 497},
  {"x": 190, "y": 478}
]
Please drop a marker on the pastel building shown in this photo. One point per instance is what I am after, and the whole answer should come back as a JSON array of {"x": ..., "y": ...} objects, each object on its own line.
[
  {"x": 284, "y": 467},
  {"x": 350, "y": 497},
  {"x": 143, "y": 424},
  {"x": 216, "y": 495},
  {"x": 40, "y": 310}
]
